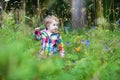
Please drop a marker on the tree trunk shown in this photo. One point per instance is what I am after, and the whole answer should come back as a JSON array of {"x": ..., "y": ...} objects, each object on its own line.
[
  {"x": 38, "y": 13},
  {"x": 78, "y": 13},
  {"x": 1, "y": 9},
  {"x": 38, "y": 8},
  {"x": 100, "y": 20},
  {"x": 99, "y": 8},
  {"x": 22, "y": 11}
]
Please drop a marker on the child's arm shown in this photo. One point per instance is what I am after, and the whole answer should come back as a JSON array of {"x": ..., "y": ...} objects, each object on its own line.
[
  {"x": 44, "y": 40},
  {"x": 60, "y": 46},
  {"x": 37, "y": 33}
]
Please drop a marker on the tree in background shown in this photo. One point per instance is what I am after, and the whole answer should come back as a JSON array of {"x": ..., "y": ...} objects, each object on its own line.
[
  {"x": 79, "y": 13},
  {"x": 99, "y": 12},
  {"x": 0, "y": 14}
]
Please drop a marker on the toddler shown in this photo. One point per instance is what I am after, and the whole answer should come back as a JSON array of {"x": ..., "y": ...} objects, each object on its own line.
[{"x": 51, "y": 42}]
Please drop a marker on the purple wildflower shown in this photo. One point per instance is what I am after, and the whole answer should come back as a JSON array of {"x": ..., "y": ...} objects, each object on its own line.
[
  {"x": 83, "y": 41},
  {"x": 67, "y": 43},
  {"x": 87, "y": 42}
]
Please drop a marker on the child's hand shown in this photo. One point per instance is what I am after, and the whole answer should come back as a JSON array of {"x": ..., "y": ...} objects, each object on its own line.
[
  {"x": 37, "y": 31},
  {"x": 37, "y": 28}
]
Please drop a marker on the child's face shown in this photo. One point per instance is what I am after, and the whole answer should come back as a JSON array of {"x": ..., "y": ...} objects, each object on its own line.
[{"x": 53, "y": 27}]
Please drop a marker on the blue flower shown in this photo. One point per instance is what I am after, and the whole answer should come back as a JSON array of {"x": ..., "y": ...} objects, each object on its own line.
[
  {"x": 87, "y": 42},
  {"x": 83, "y": 41},
  {"x": 67, "y": 43}
]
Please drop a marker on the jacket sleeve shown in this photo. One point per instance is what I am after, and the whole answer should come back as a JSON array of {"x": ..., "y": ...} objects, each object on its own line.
[
  {"x": 44, "y": 41},
  {"x": 60, "y": 46},
  {"x": 37, "y": 34},
  {"x": 43, "y": 45}
]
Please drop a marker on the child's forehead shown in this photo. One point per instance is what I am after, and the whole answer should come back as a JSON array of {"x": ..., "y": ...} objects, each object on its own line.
[{"x": 54, "y": 22}]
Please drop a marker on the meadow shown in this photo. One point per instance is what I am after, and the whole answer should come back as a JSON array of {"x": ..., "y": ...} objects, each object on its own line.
[{"x": 91, "y": 54}]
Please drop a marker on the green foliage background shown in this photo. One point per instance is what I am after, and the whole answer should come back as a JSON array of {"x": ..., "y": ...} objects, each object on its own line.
[{"x": 100, "y": 60}]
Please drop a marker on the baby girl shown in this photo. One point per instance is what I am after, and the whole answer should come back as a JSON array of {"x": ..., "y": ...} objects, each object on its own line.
[{"x": 51, "y": 42}]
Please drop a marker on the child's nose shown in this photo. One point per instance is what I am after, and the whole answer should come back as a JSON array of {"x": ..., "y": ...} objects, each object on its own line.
[{"x": 56, "y": 27}]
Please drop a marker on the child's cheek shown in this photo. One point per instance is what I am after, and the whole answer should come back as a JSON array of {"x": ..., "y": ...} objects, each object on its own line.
[{"x": 51, "y": 28}]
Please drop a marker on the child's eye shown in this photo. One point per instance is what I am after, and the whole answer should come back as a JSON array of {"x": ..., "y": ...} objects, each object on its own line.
[{"x": 53, "y": 24}]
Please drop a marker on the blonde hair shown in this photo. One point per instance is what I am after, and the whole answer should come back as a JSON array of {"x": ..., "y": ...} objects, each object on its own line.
[{"x": 49, "y": 19}]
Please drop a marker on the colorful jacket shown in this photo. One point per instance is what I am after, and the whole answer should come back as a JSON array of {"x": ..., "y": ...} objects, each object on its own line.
[{"x": 50, "y": 44}]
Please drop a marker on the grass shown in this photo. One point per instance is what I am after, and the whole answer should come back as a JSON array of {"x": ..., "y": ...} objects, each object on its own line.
[{"x": 91, "y": 54}]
